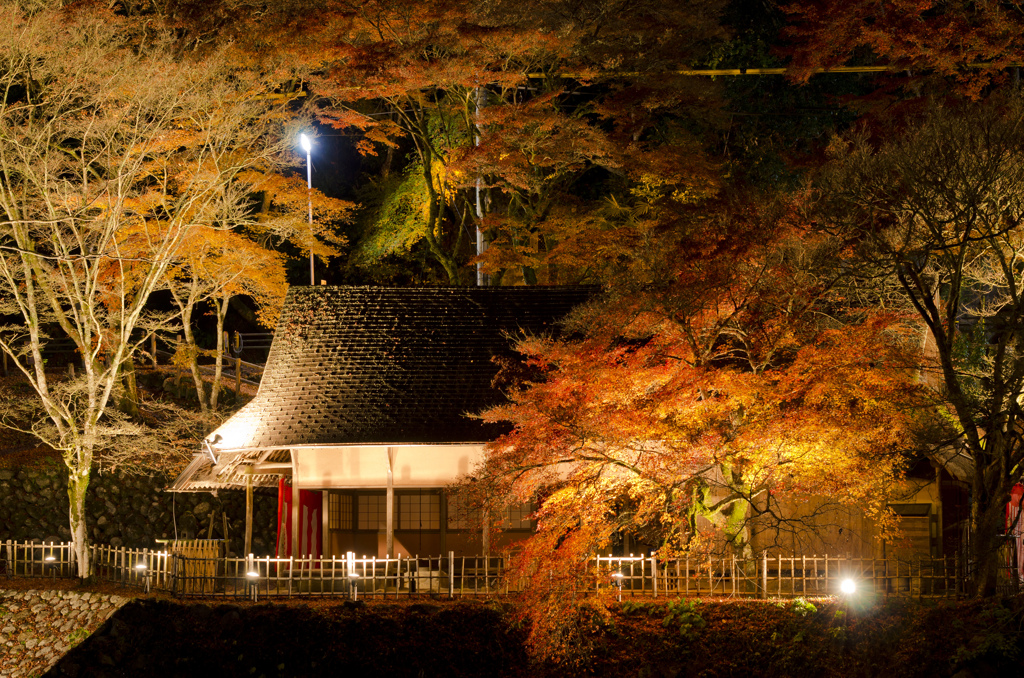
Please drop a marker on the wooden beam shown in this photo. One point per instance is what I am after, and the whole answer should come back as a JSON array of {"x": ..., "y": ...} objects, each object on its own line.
[{"x": 283, "y": 467}]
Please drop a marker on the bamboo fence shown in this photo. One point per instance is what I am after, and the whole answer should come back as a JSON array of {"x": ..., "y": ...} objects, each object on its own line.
[{"x": 199, "y": 568}]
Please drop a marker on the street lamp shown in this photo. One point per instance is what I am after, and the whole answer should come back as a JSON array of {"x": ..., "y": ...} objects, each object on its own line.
[{"x": 307, "y": 146}]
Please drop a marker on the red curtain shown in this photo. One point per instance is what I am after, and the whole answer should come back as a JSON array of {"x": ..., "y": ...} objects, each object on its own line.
[{"x": 310, "y": 521}]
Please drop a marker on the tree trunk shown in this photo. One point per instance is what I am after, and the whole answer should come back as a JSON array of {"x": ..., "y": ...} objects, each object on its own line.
[
  {"x": 78, "y": 483},
  {"x": 987, "y": 519},
  {"x": 130, "y": 400},
  {"x": 221, "y": 306},
  {"x": 193, "y": 360}
]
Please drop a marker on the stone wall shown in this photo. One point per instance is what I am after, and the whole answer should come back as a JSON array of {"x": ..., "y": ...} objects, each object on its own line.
[
  {"x": 130, "y": 511},
  {"x": 38, "y": 627}
]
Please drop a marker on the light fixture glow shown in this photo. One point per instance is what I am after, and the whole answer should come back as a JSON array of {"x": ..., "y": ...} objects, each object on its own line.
[
  {"x": 251, "y": 574},
  {"x": 50, "y": 559},
  {"x": 848, "y": 586},
  {"x": 307, "y": 145},
  {"x": 140, "y": 566}
]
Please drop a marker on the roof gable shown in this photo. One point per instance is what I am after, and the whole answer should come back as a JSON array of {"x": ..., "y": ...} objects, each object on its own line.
[{"x": 364, "y": 365}]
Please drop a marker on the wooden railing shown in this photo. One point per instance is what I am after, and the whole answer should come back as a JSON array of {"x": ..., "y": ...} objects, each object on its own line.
[{"x": 198, "y": 568}]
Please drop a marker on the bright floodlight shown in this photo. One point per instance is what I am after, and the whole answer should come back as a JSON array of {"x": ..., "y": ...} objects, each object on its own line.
[
  {"x": 252, "y": 574},
  {"x": 140, "y": 566},
  {"x": 307, "y": 145},
  {"x": 848, "y": 586},
  {"x": 49, "y": 559}
]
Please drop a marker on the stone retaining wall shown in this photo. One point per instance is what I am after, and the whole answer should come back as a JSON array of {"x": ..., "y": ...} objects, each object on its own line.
[
  {"x": 38, "y": 627},
  {"x": 130, "y": 511}
]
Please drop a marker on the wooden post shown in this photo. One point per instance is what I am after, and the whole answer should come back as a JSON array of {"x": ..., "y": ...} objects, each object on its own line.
[
  {"x": 248, "y": 512},
  {"x": 209, "y": 530},
  {"x": 764, "y": 574},
  {"x": 238, "y": 376},
  {"x": 389, "y": 542},
  {"x": 71, "y": 370},
  {"x": 443, "y": 511},
  {"x": 654, "y": 574},
  {"x": 451, "y": 574}
]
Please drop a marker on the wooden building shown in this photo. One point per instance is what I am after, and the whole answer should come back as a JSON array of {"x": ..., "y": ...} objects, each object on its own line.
[{"x": 363, "y": 415}]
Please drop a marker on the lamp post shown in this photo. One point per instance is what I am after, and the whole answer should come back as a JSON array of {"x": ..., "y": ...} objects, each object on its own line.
[{"x": 307, "y": 146}]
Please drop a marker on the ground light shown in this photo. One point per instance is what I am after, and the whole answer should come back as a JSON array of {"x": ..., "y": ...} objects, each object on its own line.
[
  {"x": 352, "y": 577},
  {"x": 143, "y": 570},
  {"x": 253, "y": 578},
  {"x": 848, "y": 587},
  {"x": 618, "y": 577},
  {"x": 51, "y": 562}
]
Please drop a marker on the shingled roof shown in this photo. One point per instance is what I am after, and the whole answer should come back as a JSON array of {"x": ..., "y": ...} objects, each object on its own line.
[{"x": 389, "y": 365}]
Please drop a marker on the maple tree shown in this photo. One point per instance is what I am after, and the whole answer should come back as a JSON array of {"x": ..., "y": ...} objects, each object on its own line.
[
  {"x": 428, "y": 82},
  {"x": 112, "y": 151},
  {"x": 237, "y": 258},
  {"x": 972, "y": 44},
  {"x": 935, "y": 213},
  {"x": 717, "y": 385}
]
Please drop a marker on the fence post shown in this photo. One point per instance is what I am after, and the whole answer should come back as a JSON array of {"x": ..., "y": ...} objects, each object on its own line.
[
  {"x": 451, "y": 574},
  {"x": 654, "y": 574}
]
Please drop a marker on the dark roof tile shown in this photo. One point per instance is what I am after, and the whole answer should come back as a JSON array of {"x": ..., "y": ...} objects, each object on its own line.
[{"x": 373, "y": 365}]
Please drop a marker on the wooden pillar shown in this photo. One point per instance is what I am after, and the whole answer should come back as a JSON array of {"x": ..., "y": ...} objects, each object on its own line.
[
  {"x": 390, "y": 539},
  {"x": 325, "y": 524},
  {"x": 295, "y": 504},
  {"x": 940, "y": 552},
  {"x": 486, "y": 539},
  {"x": 248, "y": 512},
  {"x": 444, "y": 520},
  {"x": 486, "y": 535}
]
